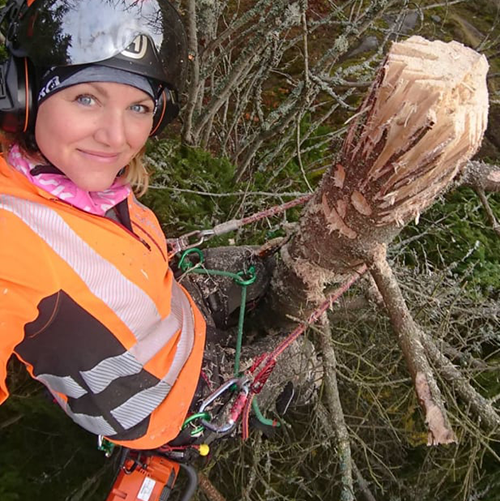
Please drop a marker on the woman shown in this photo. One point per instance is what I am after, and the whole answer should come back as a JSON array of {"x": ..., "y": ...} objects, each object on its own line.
[{"x": 88, "y": 301}]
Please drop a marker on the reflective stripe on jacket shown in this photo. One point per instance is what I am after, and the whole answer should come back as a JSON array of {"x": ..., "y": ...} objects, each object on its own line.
[{"x": 94, "y": 312}]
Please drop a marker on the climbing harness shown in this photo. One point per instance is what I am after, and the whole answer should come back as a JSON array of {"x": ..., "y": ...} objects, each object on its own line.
[
  {"x": 239, "y": 384},
  {"x": 245, "y": 386},
  {"x": 150, "y": 475},
  {"x": 252, "y": 382}
]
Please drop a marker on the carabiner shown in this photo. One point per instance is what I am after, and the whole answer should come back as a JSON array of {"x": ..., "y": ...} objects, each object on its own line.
[
  {"x": 217, "y": 393},
  {"x": 206, "y": 234},
  {"x": 184, "y": 242},
  {"x": 188, "y": 241},
  {"x": 242, "y": 384}
]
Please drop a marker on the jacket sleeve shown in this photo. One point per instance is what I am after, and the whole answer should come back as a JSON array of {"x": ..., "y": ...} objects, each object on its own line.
[
  {"x": 23, "y": 276},
  {"x": 14, "y": 314}
]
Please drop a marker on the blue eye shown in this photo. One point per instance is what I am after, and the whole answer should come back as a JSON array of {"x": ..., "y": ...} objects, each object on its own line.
[
  {"x": 85, "y": 100},
  {"x": 140, "y": 108}
]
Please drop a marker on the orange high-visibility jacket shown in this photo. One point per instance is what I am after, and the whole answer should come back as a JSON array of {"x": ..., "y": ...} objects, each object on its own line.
[{"x": 93, "y": 311}]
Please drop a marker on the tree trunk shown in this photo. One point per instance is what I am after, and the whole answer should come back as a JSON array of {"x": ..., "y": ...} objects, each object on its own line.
[{"x": 423, "y": 118}]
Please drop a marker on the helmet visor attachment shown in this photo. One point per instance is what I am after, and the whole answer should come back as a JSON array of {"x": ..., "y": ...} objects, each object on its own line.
[{"x": 74, "y": 32}]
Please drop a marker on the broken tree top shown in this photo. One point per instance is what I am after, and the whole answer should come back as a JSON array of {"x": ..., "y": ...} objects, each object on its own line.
[{"x": 424, "y": 117}]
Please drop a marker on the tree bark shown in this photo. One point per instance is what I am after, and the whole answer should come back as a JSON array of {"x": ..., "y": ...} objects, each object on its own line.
[
  {"x": 423, "y": 118},
  {"x": 335, "y": 410},
  {"x": 410, "y": 340}
]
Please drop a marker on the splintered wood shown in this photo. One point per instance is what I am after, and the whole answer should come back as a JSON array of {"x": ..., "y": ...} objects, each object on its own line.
[{"x": 423, "y": 119}]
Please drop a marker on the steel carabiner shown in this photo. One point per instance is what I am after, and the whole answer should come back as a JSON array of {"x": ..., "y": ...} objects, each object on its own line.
[{"x": 243, "y": 385}]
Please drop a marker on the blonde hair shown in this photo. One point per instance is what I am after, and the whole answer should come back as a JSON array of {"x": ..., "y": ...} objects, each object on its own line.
[{"x": 135, "y": 173}]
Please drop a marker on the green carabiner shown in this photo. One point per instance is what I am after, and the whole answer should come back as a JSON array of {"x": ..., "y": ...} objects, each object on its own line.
[
  {"x": 185, "y": 265},
  {"x": 199, "y": 429}
]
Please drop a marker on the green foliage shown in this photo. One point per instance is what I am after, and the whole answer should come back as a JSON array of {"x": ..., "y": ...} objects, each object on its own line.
[
  {"x": 315, "y": 158},
  {"x": 43, "y": 455},
  {"x": 193, "y": 190},
  {"x": 3, "y": 54},
  {"x": 455, "y": 234},
  {"x": 182, "y": 182}
]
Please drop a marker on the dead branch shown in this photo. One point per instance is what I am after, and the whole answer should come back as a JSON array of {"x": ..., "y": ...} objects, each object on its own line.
[
  {"x": 363, "y": 484},
  {"x": 479, "y": 405},
  {"x": 88, "y": 488},
  {"x": 243, "y": 66},
  {"x": 194, "y": 71},
  {"x": 489, "y": 211},
  {"x": 324, "y": 417},
  {"x": 452, "y": 354},
  {"x": 410, "y": 340},
  {"x": 481, "y": 175},
  {"x": 209, "y": 489},
  {"x": 230, "y": 67},
  {"x": 235, "y": 30},
  {"x": 334, "y": 406},
  {"x": 482, "y": 178},
  {"x": 10, "y": 421},
  {"x": 423, "y": 118}
]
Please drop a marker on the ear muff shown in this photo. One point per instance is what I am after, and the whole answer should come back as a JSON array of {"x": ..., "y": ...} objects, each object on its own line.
[
  {"x": 17, "y": 113},
  {"x": 17, "y": 78},
  {"x": 167, "y": 110}
]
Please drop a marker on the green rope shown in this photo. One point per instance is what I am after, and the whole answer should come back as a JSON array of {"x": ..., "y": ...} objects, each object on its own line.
[
  {"x": 243, "y": 280},
  {"x": 203, "y": 415},
  {"x": 239, "y": 338},
  {"x": 198, "y": 429},
  {"x": 261, "y": 417}
]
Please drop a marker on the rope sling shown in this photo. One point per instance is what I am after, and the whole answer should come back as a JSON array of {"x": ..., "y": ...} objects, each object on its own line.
[
  {"x": 245, "y": 386},
  {"x": 252, "y": 382}
]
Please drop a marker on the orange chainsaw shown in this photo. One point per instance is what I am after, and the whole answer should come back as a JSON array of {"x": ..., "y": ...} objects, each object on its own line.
[
  {"x": 148, "y": 476},
  {"x": 151, "y": 475}
]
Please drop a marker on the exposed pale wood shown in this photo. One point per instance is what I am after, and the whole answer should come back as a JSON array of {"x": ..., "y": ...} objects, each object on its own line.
[{"x": 422, "y": 120}]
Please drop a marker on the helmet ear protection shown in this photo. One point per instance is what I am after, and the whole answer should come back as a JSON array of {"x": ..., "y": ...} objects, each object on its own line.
[
  {"x": 18, "y": 102},
  {"x": 17, "y": 79},
  {"x": 167, "y": 109},
  {"x": 33, "y": 39}
]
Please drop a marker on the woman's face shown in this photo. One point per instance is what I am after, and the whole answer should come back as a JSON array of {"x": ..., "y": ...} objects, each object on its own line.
[{"x": 91, "y": 131}]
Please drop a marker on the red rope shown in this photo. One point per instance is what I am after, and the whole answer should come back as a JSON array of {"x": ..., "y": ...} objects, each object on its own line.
[
  {"x": 263, "y": 375},
  {"x": 183, "y": 242},
  {"x": 277, "y": 209},
  {"x": 269, "y": 360},
  {"x": 245, "y": 419}
]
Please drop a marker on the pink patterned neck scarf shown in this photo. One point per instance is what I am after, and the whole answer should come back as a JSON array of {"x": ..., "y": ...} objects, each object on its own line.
[{"x": 57, "y": 184}]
